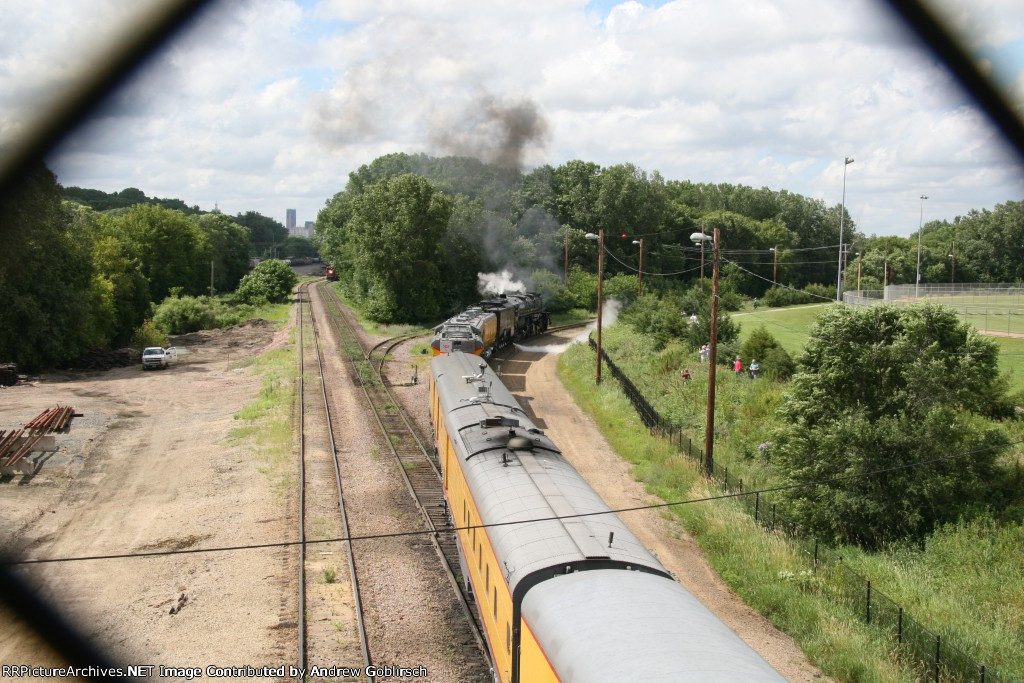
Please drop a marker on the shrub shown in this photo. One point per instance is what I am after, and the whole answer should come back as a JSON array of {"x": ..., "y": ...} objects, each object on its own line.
[
  {"x": 557, "y": 298},
  {"x": 819, "y": 292},
  {"x": 785, "y": 296},
  {"x": 662, "y": 318},
  {"x": 270, "y": 281},
  {"x": 179, "y": 315},
  {"x": 891, "y": 388},
  {"x": 777, "y": 364},
  {"x": 148, "y": 335}
]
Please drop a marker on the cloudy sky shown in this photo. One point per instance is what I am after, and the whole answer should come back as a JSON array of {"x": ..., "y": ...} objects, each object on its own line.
[{"x": 268, "y": 104}]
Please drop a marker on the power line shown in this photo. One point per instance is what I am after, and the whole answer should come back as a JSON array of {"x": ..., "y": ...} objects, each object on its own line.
[
  {"x": 401, "y": 534},
  {"x": 645, "y": 272},
  {"x": 816, "y": 296}
]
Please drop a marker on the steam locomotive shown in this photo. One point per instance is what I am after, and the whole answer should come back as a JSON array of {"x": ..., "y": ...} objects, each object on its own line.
[{"x": 492, "y": 324}]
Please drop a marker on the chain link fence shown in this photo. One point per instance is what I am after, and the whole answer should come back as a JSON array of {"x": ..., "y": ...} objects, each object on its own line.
[
  {"x": 990, "y": 308},
  {"x": 934, "y": 658}
]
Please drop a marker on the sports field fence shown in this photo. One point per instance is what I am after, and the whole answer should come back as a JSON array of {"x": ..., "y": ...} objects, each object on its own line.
[{"x": 991, "y": 308}]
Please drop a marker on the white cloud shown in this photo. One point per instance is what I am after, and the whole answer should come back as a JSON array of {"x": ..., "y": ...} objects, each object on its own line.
[{"x": 268, "y": 104}]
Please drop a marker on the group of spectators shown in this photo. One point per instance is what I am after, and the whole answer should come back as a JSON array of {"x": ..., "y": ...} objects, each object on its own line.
[{"x": 754, "y": 369}]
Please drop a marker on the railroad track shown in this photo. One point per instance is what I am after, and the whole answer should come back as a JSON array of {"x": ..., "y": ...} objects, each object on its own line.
[
  {"x": 315, "y": 467},
  {"x": 383, "y": 349},
  {"x": 415, "y": 457}
]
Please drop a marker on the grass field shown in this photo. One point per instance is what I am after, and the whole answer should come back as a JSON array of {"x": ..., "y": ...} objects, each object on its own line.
[
  {"x": 998, "y": 313},
  {"x": 792, "y": 325},
  {"x": 1011, "y": 361}
]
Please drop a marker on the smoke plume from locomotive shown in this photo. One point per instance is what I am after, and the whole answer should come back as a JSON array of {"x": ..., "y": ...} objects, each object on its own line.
[
  {"x": 609, "y": 316},
  {"x": 498, "y": 283}
]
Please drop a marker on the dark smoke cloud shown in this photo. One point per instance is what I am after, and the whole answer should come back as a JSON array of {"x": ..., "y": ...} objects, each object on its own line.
[{"x": 495, "y": 132}]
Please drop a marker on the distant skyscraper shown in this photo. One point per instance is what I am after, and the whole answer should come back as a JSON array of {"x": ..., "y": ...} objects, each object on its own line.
[
  {"x": 290, "y": 221},
  {"x": 309, "y": 230}
]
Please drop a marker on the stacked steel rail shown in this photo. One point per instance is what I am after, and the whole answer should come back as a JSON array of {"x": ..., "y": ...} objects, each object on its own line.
[
  {"x": 416, "y": 461},
  {"x": 17, "y": 443},
  {"x": 305, "y": 303}
]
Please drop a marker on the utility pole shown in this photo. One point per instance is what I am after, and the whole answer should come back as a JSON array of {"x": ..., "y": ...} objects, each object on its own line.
[
  {"x": 709, "y": 428},
  {"x": 702, "y": 266},
  {"x": 775, "y": 267},
  {"x": 842, "y": 215},
  {"x": 640, "y": 271},
  {"x": 600, "y": 292},
  {"x": 860, "y": 264},
  {"x": 565, "y": 271}
]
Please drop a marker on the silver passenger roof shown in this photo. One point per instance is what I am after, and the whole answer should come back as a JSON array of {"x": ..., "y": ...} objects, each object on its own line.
[
  {"x": 665, "y": 634},
  {"x": 510, "y": 486}
]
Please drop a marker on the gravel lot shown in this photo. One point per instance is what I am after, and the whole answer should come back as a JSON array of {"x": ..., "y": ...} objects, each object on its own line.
[{"x": 150, "y": 466}]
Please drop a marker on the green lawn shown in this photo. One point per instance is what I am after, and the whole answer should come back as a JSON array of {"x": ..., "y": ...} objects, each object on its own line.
[
  {"x": 1011, "y": 360},
  {"x": 790, "y": 325}
]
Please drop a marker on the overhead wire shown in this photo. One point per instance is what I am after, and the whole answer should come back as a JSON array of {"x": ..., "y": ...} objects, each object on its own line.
[{"x": 534, "y": 520}]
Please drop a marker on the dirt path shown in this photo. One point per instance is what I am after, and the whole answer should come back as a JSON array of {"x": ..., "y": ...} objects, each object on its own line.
[
  {"x": 152, "y": 466},
  {"x": 531, "y": 376}
]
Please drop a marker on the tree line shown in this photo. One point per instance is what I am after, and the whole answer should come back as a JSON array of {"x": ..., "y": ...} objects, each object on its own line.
[
  {"x": 410, "y": 233},
  {"x": 983, "y": 246},
  {"x": 73, "y": 278}
]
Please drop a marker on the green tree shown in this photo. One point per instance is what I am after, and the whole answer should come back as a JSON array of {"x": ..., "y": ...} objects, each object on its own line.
[
  {"x": 171, "y": 249},
  {"x": 226, "y": 243},
  {"x": 129, "y": 288},
  {"x": 294, "y": 245},
  {"x": 774, "y": 360},
  {"x": 265, "y": 233},
  {"x": 49, "y": 300},
  {"x": 886, "y": 387},
  {"x": 397, "y": 229},
  {"x": 271, "y": 280}
]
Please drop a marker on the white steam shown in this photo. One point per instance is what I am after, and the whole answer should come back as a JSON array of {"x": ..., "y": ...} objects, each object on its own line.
[
  {"x": 609, "y": 316},
  {"x": 498, "y": 283}
]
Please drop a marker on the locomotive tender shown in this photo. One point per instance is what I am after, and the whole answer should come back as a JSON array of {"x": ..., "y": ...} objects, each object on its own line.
[
  {"x": 491, "y": 324},
  {"x": 564, "y": 597}
]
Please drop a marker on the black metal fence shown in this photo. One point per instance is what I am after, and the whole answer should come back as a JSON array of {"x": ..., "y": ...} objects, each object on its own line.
[{"x": 827, "y": 574}]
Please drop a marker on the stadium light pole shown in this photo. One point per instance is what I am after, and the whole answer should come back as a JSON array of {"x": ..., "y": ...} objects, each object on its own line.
[
  {"x": 640, "y": 271},
  {"x": 842, "y": 214},
  {"x": 600, "y": 292},
  {"x": 860, "y": 263},
  {"x": 775, "y": 266},
  {"x": 920, "y": 228},
  {"x": 709, "y": 429},
  {"x": 952, "y": 255}
]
